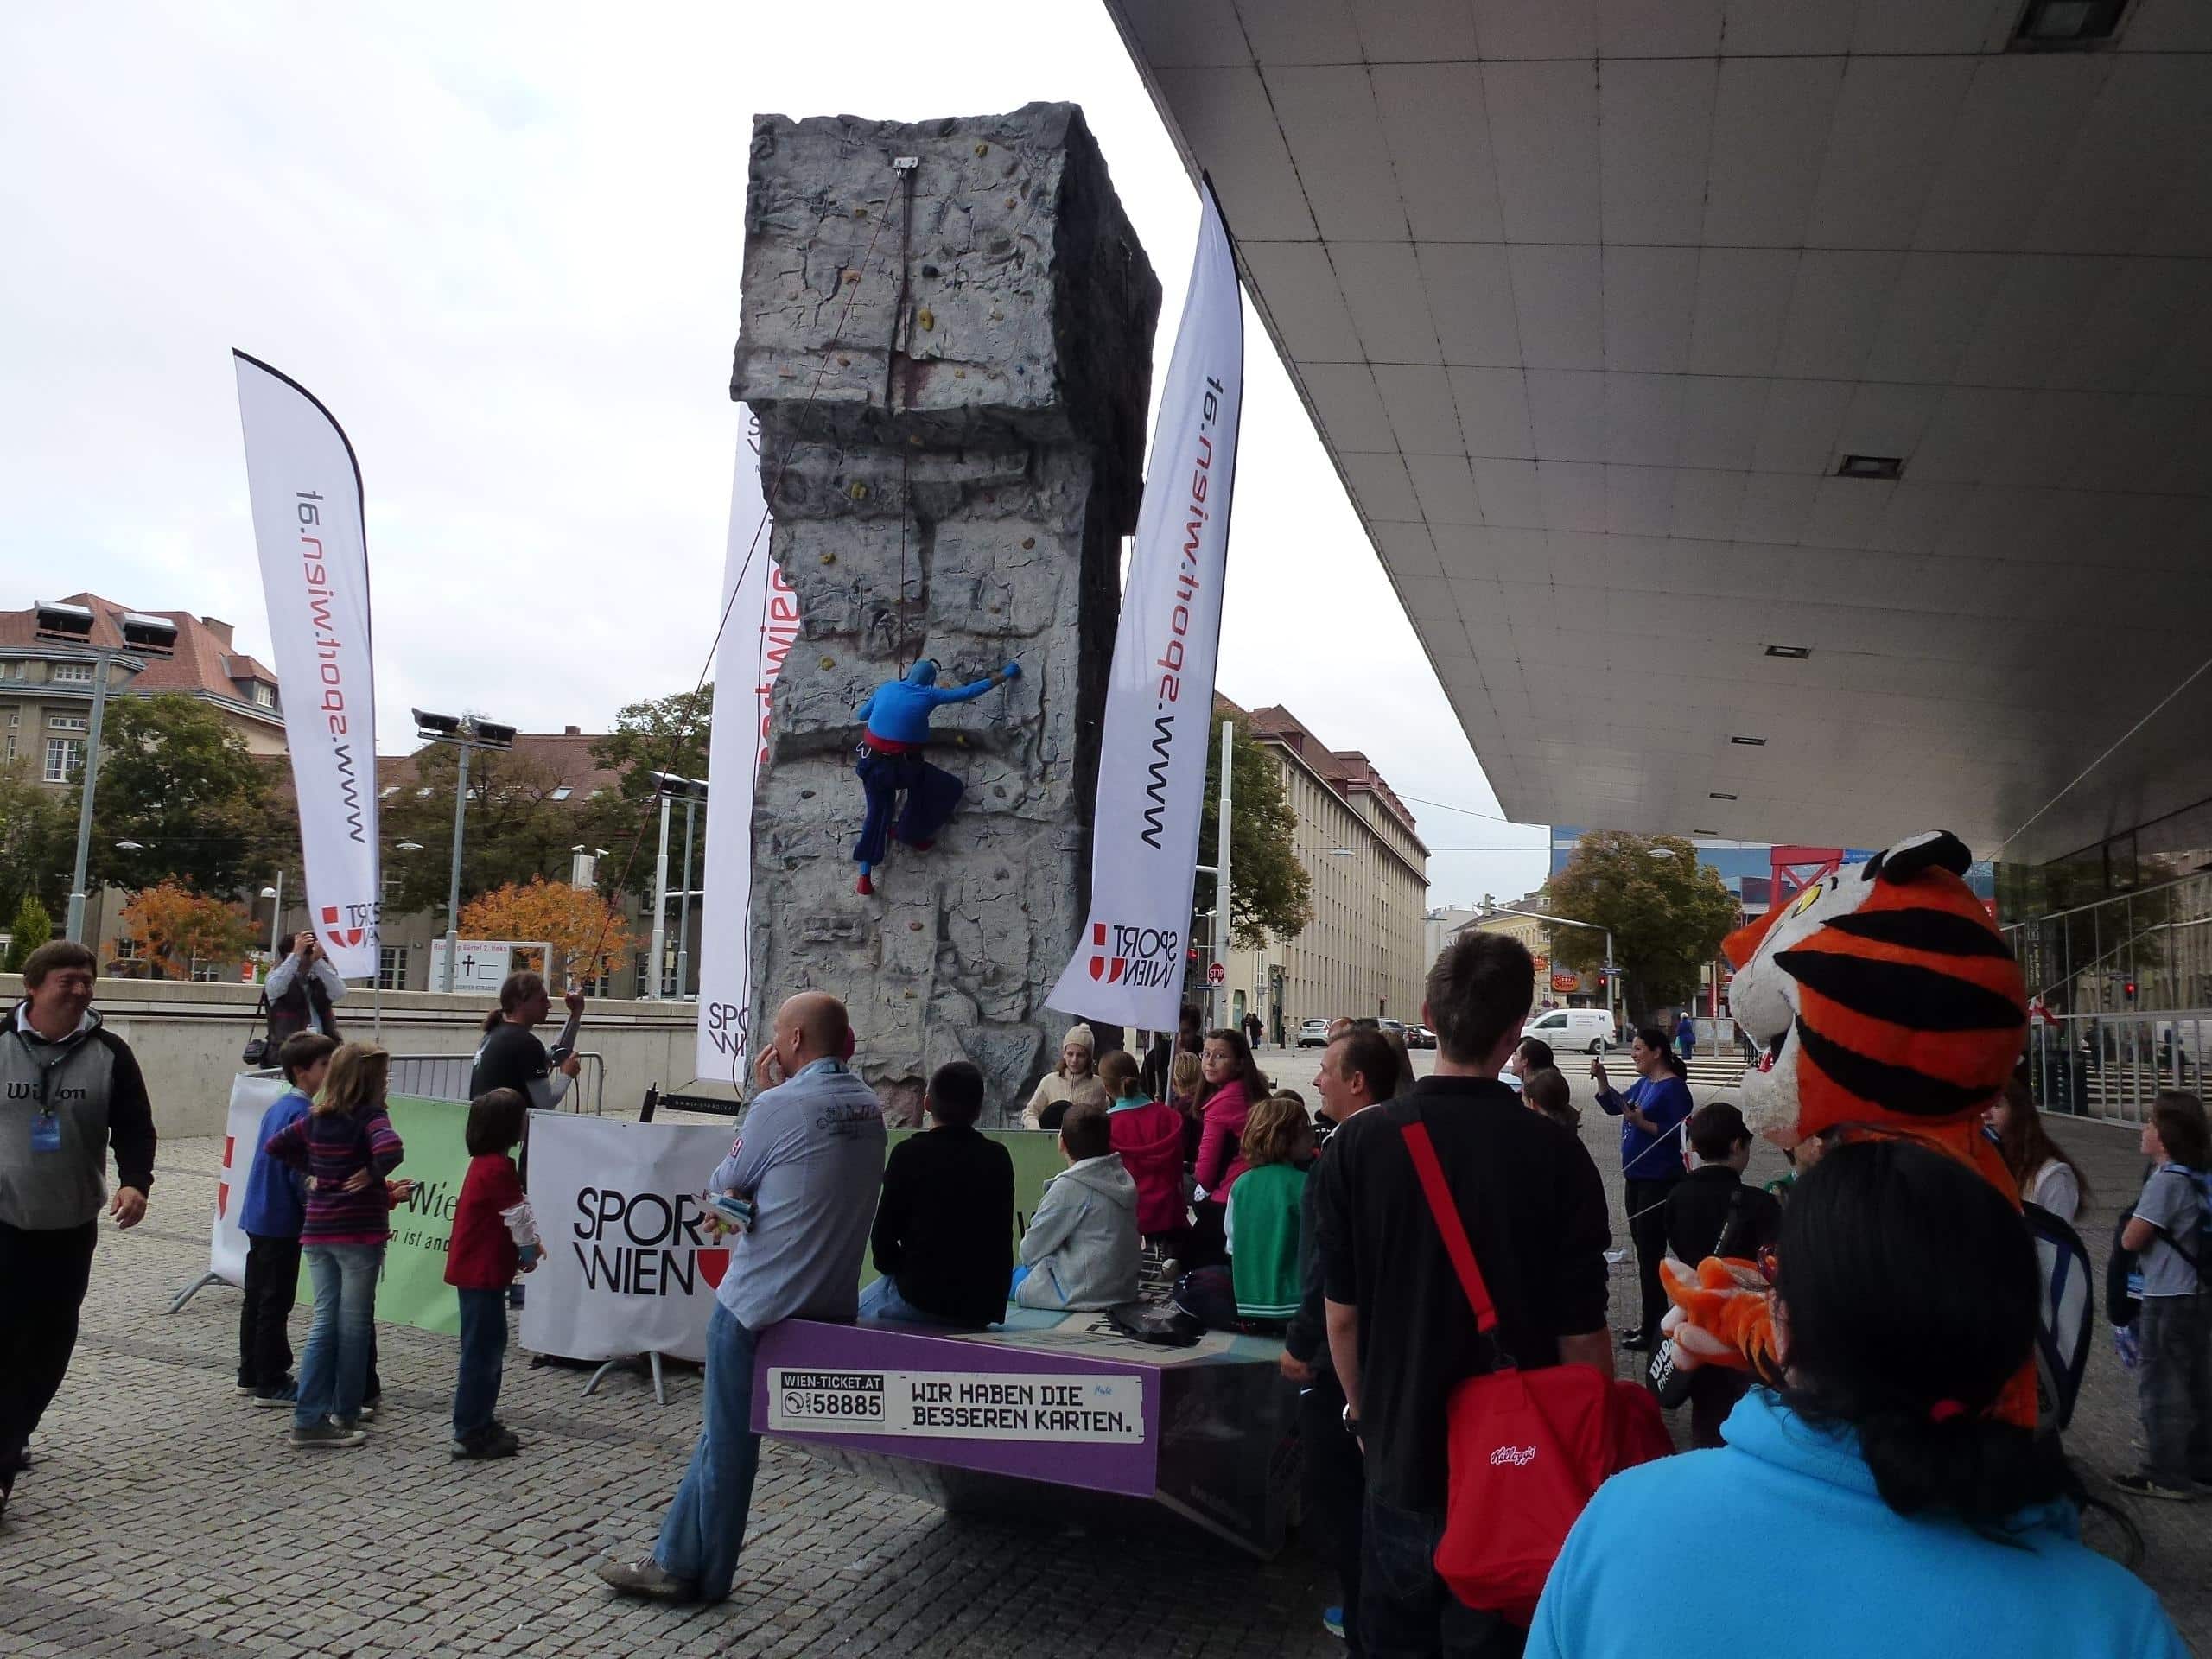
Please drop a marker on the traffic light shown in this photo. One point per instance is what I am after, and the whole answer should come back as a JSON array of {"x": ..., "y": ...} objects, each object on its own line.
[{"x": 2129, "y": 988}]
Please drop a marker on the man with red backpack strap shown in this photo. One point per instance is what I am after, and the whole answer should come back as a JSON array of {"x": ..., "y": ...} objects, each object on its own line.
[{"x": 1403, "y": 1332}]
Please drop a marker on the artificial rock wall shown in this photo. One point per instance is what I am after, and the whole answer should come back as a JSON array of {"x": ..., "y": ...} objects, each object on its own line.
[{"x": 950, "y": 366}]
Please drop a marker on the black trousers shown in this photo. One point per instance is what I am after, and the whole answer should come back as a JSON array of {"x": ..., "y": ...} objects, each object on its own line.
[
  {"x": 43, "y": 1273},
  {"x": 1335, "y": 1493},
  {"x": 1647, "y": 1229},
  {"x": 272, "y": 1283}
]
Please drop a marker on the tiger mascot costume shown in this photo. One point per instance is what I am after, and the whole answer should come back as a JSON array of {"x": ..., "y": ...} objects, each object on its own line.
[{"x": 1884, "y": 1003}]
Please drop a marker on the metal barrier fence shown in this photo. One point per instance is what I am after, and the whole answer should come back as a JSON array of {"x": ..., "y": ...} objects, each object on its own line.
[
  {"x": 2111, "y": 1066},
  {"x": 445, "y": 1076}
]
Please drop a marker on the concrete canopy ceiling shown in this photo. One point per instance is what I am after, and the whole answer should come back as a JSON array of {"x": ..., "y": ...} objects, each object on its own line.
[{"x": 1589, "y": 298}]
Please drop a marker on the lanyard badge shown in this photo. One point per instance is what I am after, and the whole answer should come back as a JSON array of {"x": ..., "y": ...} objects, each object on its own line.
[{"x": 45, "y": 1132}]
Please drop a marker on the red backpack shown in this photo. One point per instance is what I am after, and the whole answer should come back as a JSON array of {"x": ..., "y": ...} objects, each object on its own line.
[{"x": 1526, "y": 1449}]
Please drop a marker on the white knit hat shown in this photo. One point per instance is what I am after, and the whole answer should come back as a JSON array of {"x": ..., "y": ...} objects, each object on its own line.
[{"x": 1080, "y": 1033}]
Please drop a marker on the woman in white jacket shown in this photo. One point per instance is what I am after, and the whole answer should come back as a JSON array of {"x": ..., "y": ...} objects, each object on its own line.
[{"x": 2046, "y": 1175}]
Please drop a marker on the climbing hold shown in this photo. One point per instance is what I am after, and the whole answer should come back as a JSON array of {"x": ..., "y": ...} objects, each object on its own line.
[
  {"x": 831, "y": 558},
  {"x": 914, "y": 927},
  {"x": 960, "y": 374},
  {"x": 860, "y": 213},
  {"x": 927, "y": 318},
  {"x": 857, "y": 490},
  {"x": 1028, "y": 542},
  {"x": 982, "y": 151},
  {"x": 831, "y": 662},
  {"x": 852, "y": 277}
]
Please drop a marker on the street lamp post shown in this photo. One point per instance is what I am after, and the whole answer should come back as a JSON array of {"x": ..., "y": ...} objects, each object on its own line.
[
  {"x": 466, "y": 733},
  {"x": 1490, "y": 907},
  {"x": 142, "y": 637},
  {"x": 667, "y": 785},
  {"x": 276, "y": 911}
]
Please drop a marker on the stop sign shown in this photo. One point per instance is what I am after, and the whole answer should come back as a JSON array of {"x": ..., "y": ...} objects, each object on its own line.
[{"x": 1217, "y": 973}]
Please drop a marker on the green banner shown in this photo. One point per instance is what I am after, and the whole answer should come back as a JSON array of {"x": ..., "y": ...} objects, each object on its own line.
[
  {"x": 413, "y": 1290},
  {"x": 1036, "y": 1154}
]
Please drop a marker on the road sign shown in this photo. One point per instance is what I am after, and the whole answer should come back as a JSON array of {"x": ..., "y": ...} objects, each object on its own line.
[{"x": 1217, "y": 973}]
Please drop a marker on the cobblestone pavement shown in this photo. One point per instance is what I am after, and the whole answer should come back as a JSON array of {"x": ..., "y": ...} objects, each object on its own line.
[{"x": 165, "y": 1518}]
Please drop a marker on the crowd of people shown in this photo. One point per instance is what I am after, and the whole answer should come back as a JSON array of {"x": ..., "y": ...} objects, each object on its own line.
[{"x": 1874, "y": 1446}]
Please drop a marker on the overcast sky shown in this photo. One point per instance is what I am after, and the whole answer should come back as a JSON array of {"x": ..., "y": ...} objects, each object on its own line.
[{"x": 501, "y": 242}]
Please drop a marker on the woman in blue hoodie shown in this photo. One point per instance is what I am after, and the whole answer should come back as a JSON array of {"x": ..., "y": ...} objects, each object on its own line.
[{"x": 1877, "y": 1508}]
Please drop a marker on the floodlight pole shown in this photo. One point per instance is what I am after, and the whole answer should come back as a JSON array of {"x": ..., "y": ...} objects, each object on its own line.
[
  {"x": 659, "y": 946},
  {"x": 453, "y": 886},
  {"x": 684, "y": 918},
  {"x": 73, "y": 929}
]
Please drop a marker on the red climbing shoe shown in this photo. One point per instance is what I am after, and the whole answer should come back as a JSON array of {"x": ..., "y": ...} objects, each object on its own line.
[
  {"x": 922, "y": 846},
  {"x": 865, "y": 887}
]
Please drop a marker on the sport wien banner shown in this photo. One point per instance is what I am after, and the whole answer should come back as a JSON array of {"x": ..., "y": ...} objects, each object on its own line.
[
  {"x": 761, "y": 620},
  {"x": 629, "y": 1266},
  {"x": 305, "y": 492},
  {"x": 1127, "y": 968}
]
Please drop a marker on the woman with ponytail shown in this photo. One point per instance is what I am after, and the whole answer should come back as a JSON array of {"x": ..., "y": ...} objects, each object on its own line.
[
  {"x": 510, "y": 1057},
  {"x": 1885, "y": 1510}
]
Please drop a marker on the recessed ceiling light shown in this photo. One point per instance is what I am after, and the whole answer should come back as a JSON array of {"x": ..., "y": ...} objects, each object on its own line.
[
  {"x": 1795, "y": 654},
  {"x": 1870, "y": 466},
  {"x": 1717, "y": 796},
  {"x": 2048, "y": 25},
  {"x": 1750, "y": 742}
]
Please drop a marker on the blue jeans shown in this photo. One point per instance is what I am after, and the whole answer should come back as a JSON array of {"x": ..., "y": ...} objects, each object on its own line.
[
  {"x": 334, "y": 1368},
  {"x": 483, "y": 1357},
  {"x": 1406, "y": 1612},
  {"x": 705, "y": 1527},
  {"x": 881, "y": 1300}
]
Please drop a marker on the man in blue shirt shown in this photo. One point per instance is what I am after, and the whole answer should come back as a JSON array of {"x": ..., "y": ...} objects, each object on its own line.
[
  {"x": 270, "y": 1217},
  {"x": 889, "y": 760},
  {"x": 808, "y": 1159}
]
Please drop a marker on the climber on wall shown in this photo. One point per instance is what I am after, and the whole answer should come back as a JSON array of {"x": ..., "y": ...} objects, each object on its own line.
[{"x": 888, "y": 759}]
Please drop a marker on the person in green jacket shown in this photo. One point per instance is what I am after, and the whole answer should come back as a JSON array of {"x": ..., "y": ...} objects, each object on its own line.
[{"x": 1264, "y": 1204}]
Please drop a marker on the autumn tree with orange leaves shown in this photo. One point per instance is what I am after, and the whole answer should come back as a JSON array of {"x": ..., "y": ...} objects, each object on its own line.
[
  {"x": 586, "y": 933},
  {"x": 177, "y": 930}
]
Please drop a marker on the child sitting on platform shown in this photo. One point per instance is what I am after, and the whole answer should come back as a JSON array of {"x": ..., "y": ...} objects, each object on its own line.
[
  {"x": 1149, "y": 1137},
  {"x": 1264, "y": 1207},
  {"x": 943, "y": 1237},
  {"x": 1186, "y": 1078},
  {"x": 1081, "y": 1250},
  {"x": 1263, "y": 1282}
]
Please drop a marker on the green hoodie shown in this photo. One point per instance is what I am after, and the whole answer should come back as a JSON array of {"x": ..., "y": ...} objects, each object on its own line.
[{"x": 1263, "y": 1208}]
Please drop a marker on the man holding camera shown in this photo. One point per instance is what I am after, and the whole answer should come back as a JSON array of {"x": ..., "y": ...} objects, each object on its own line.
[{"x": 300, "y": 990}]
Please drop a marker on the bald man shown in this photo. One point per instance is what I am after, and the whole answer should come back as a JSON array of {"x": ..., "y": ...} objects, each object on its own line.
[{"x": 808, "y": 1158}]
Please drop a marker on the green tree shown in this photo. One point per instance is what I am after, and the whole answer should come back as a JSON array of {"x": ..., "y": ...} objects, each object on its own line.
[
  {"x": 182, "y": 787},
  {"x": 32, "y": 928},
  {"x": 517, "y": 830},
  {"x": 1269, "y": 891},
  {"x": 1668, "y": 913},
  {"x": 668, "y": 733},
  {"x": 37, "y": 840}
]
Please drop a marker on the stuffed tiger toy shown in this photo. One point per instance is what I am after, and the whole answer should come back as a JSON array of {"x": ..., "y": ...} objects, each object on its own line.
[{"x": 1884, "y": 1003}]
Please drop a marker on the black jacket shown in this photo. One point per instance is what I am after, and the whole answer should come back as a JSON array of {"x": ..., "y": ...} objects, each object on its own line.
[
  {"x": 1698, "y": 1208},
  {"x": 945, "y": 1224}
]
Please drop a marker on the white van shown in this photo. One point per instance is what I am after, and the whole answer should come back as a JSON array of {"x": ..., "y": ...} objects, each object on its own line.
[{"x": 1588, "y": 1030}]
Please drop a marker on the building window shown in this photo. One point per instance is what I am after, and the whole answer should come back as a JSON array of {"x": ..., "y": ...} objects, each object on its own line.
[
  {"x": 11, "y": 746},
  {"x": 129, "y": 950},
  {"x": 67, "y": 723},
  {"x": 392, "y": 968},
  {"x": 209, "y": 973},
  {"x": 562, "y": 794},
  {"x": 71, "y": 674},
  {"x": 65, "y": 758},
  {"x": 264, "y": 696}
]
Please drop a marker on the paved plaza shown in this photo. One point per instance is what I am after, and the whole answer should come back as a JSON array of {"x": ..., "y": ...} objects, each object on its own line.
[{"x": 164, "y": 1516}]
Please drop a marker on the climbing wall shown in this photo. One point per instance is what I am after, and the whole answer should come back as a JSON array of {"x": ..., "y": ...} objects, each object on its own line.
[{"x": 950, "y": 362}]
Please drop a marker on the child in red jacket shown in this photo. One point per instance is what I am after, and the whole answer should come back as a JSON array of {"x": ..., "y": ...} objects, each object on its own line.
[
  {"x": 1149, "y": 1137},
  {"x": 494, "y": 1237}
]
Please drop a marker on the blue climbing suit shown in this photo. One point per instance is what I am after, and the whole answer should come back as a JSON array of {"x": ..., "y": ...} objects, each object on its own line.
[{"x": 889, "y": 761}]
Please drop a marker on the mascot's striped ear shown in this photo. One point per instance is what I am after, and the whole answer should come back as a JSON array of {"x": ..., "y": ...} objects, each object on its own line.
[{"x": 1938, "y": 849}]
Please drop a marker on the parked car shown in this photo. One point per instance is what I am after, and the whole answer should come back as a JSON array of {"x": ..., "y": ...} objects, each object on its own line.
[
  {"x": 1588, "y": 1030},
  {"x": 1420, "y": 1037},
  {"x": 1394, "y": 1026},
  {"x": 1313, "y": 1033}
]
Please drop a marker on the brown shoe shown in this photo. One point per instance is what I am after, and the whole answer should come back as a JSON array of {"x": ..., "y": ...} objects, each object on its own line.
[{"x": 647, "y": 1580}]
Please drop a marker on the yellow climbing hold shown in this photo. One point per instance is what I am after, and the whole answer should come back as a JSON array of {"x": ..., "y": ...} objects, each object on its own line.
[
  {"x": 927, "y": 317},
  {"x": 857, "y": 490},
  {"x": 829, "y": 662}
]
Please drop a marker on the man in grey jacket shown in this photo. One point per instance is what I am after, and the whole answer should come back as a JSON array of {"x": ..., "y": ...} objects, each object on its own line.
[{"x": 69, "y": 1089}]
